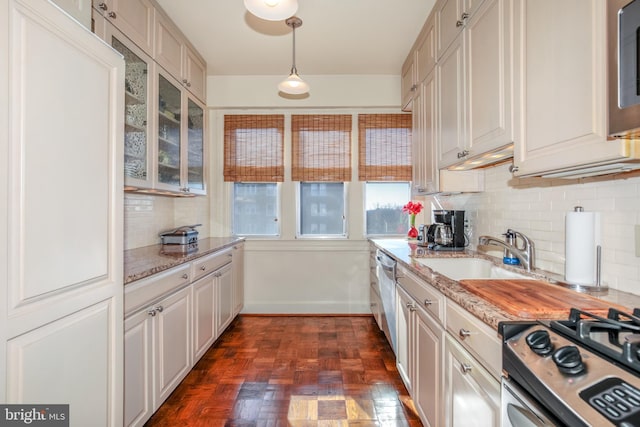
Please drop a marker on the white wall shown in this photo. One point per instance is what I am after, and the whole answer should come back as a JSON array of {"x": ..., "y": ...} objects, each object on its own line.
[{"x": 538, "y": 207}]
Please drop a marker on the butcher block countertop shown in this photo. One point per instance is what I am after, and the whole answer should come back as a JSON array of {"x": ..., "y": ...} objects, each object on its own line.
[
  {"x": 146, "y": 261},
  {"x": 494, "y": 301}
]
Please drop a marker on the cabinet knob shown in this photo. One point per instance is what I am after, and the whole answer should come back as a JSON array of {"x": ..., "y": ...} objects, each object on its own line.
[
  {"x": 229, "y": 255},
  {"x": 151, "y": 313},
  {"x": 185, "y": 276},
  {"x": 459, "y": 24},
  {"x": 112, "y": 15},
  {"x": 465, "y": 368},
  {"x": 159, "y": 309},
  {"x": 203, "y": 268},
  {"x": 513, "y": 168},
  {"x": 103, "y": 6},
  {"x": 428, "y": 302},
  {"x": 464, "y": 333},
  {"x": 464, "y": 16}
]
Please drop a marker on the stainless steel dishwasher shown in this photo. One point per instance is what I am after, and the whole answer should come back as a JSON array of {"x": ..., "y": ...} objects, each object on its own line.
[{"x": 386, "y": 274}]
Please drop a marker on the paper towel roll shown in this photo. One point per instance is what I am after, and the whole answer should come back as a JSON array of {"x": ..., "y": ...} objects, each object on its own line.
[{"x": 582, "y": 236}]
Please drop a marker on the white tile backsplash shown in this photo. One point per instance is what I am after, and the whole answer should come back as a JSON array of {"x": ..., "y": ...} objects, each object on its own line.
[{"x": 537, "y": 208}]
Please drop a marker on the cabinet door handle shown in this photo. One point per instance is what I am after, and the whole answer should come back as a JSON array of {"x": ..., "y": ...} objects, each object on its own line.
[
  {"x": 159, "y": 309},
  {"x": 459, "y": 24},
  {"x": 103, "y": 6},
  {"x": 203, "y": 268},
  {"x": 428, "y": 302},
  {"x": 464, "y": 333},
  {"x": 151, "y": 313},
  {"x": 185, "y": 276},
  {"x": 112, "y": 15},
  {"x": 466, "y": 368},
  {"x": 464, "y": 16},
  {"x": 463, "y": 153}
]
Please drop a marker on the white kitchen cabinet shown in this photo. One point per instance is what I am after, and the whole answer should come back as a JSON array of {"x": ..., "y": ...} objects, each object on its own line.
[
  {"x": 138, "y": 368},
  {"x": 451, "y": 16},
  {"x": 172, "y": 349},
  {"x": 224, "y": 298},
  {"x": 139, "y": 90},
  {"x": 204, "y": 319},
  {"x": 174, "y": 53},
  {"x": 78, "y": 9},
  {"x": 420, "y": 338},
  {"x": 471, "y": 393},
  {"x": 180, "y": 151},
  {"x": 238, "y": 278},
  {"x": 133, "y": 17},
  {"x": 562, "y": 98},
  {"x": 425, "y": 172},
  {"x": 61, "y": 292},
  {"x": 419, "y": 63},
  {"x": 474, "y": 86}
]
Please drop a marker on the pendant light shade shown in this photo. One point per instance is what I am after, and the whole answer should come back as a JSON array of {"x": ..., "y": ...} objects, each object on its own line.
[
  {"x": 293, "y": 84},
  {"x": 272, "y": 10}
]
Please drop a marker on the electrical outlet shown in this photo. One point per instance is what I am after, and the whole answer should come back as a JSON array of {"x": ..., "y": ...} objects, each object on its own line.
[{"x": 637, "y": 229}]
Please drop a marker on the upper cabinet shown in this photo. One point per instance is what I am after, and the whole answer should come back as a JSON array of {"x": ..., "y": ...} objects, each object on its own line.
[
  {"x": 133, "y": 17},
  {"x": 451, "y": 17},
  {"x": 173, "y": 52},
  {"x": 419, "y": 64},
  {"x": 475, "y": 78},
  {"x": 562, "y": 93}
]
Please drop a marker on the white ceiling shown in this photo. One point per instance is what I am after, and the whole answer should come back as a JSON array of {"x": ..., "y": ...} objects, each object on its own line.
[{"x": 336, "y": 37}]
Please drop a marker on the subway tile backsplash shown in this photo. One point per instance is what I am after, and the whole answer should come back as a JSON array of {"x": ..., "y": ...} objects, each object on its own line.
[
  {"x": 145, "y": 216},
  {"x": 538, "y": 207}
]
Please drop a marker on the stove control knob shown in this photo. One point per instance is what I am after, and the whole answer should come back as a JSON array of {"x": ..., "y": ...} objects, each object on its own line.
[
  {"x": 568, "y": 360},
  {"x": 539, "y": 342}
]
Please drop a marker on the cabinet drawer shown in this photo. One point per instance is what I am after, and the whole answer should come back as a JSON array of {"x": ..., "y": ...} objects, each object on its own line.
[
  {"x": 428, "y": 297},
  {"x": 210, "y": 263},
  {"x": 475, "y": 336},
  {"x": 147, "y": 290}
]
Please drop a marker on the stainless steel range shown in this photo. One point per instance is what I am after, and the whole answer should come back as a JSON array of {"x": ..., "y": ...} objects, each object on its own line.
[{"x": 583, "y": 371}]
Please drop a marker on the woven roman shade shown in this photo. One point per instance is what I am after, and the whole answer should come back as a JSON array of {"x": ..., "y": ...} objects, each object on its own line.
[
  {"x": 321, "y": 147},
  {"x": 384, "y": 143},
  {"x": 253, "y": 148}
]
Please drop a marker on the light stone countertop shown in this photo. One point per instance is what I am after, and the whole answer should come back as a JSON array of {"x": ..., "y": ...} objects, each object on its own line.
[
  {"x": 406, "y": 252},
  {"x": 146, "y": 261}
]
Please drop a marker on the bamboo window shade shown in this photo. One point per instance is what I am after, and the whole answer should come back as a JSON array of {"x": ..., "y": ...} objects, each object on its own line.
[
  {"x": 384, "y": 145},
  {"x": 321, "y": 145},
  {"x": 253, "y": 148}
]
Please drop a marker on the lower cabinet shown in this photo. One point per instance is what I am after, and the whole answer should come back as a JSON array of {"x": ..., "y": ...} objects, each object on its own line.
[
  {"x": 471, "y": 392},
  {"x": 420, "y": 341},
  {"x": 167, "y": 331}
]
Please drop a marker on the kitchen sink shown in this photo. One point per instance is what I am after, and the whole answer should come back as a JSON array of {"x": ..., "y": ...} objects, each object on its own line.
[{"x": 469, "y": 268}]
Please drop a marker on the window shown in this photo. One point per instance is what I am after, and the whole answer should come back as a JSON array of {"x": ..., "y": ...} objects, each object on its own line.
[
  {"x": 253, "y": 161},
  {"x": 322, "y": 209},
  {"x": 384, "y": 162},
  {"x": 321, "y": 147},
  {"x": 383, "y": 206}
]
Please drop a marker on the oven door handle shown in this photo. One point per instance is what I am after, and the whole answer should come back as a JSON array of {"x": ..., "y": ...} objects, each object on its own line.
[{"x": 522, "y": 417}]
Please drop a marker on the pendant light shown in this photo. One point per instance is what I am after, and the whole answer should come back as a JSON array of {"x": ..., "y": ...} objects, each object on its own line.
[
  {"x": 293, "y": 84},
  {"x": 272, "y": 10}
]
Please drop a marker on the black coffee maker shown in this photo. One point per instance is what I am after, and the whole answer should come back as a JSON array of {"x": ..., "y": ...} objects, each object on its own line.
[{"x": 447, "y": 231}]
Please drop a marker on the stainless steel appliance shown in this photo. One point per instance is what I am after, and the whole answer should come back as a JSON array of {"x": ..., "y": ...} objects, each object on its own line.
[
  {"x": 386, "y": 274},
  {"x": 582, "y": 371},
  {"x": 623, "y": 44},
  {"x": 447, "y": 232},
  {"x": 185, "y": 235}
]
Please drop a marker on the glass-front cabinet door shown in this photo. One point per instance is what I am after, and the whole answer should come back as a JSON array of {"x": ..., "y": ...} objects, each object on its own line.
[
  {"x": 138, "y": 69},
  {"x": 169, "y": 134},
  {"x": 195, "y": 182}
]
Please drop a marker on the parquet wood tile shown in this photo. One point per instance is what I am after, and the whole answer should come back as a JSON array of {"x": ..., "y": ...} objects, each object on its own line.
[{"x": 297, "y": 371}]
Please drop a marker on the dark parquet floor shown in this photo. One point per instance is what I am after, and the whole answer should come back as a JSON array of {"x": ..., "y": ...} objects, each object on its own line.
[{"x": 293, "y": 372}]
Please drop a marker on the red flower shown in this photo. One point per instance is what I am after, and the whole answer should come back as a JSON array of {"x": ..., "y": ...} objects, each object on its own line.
[{"x": 412, "y": 208}]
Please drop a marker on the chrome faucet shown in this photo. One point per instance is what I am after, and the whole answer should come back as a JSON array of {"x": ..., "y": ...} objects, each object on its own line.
[{"x": 526, "y": 254}]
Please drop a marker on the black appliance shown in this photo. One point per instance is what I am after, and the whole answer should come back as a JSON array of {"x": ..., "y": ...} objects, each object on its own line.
[
  {"x": 447, "y": 231},
  {"x": 583, "y": 371}
]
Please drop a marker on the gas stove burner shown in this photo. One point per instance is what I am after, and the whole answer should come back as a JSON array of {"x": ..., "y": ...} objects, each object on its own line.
[{"x": 616, "y": 336}]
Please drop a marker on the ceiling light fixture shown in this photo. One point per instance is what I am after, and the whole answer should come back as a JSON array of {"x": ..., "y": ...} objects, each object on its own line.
[
  {"x": 293, "y": 84},
  {"x": 272, "y": 10}
]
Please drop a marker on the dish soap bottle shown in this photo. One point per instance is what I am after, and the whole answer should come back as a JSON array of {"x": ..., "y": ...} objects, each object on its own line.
[{"x": 508, "y": 257}]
